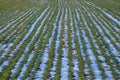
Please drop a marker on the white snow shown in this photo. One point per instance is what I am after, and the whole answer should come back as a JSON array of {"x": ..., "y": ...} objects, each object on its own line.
[
  {"x": 111, "y": 17},
  {"x": 65, "y": 66},
  {"x": 45, "y": 56},
  {"x": 53, "y": 69}
]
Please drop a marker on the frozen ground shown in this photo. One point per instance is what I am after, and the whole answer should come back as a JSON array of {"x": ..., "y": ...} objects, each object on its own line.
[{"x": 86, "y": 41}]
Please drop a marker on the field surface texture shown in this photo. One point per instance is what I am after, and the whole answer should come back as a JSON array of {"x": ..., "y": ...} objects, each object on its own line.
[{"x": 60, "y": 40}]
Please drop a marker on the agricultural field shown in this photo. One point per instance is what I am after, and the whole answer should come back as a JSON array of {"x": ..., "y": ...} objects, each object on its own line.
[{"x": 59, "y": 40}]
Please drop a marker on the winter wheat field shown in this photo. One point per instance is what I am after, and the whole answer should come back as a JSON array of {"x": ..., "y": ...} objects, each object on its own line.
[{"x": 59, "y": 39}]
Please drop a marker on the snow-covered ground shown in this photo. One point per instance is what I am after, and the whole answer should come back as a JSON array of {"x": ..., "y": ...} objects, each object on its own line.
[{"x": 94, "y": 42}]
